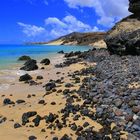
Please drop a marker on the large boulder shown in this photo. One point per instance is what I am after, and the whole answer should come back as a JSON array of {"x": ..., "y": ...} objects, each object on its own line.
[
  {"x": 134, "y": 6},
  {"x": 124, "y": 37},
  {"x": 30, "y": 65}
]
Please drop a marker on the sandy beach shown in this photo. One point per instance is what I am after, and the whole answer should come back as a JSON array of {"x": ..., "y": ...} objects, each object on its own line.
[
  {"x": 16, "y": 90},
  {"x": 77, "y": 104}
]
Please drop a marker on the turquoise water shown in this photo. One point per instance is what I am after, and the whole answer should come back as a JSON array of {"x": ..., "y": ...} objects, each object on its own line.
[{"x": 9, "y": 54}]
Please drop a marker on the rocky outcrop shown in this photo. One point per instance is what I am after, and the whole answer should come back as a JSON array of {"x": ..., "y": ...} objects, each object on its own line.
[
  {"x": 124, "y": 37},
  {"x": 134, "y": 6}
]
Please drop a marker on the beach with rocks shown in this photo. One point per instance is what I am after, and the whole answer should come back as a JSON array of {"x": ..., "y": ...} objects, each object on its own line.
[
  {"x": 90, "y": 95},
  {"x": 79, "y": 95}
]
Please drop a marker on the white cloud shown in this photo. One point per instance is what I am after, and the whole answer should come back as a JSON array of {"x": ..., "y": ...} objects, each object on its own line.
[
  {"x": 31, "y": 30},
  {"x": 55, "y": 27},
  {"x": 54, "y": 21},
  {"x": 109, "y": 11},
  {"x": 67, "y": 25}
]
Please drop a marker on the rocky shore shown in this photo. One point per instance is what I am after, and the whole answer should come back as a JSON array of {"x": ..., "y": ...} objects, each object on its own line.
[{"x": 91, "y": 95}]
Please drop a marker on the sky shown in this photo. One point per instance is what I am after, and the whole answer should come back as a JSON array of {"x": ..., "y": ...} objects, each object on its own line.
[{"x": 42, "y": 20}]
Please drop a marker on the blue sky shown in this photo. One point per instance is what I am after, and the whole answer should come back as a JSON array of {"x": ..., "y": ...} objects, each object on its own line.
[{"x": 42, "y": 20}]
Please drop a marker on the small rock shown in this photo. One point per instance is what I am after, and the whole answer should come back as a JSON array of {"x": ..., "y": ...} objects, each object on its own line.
[
  {"x": 39, "y": 77},
  {"x": 17, "y": 125},
  {"x": 53, "y": 103},
  {"x": 41, "y": 102},
  {"x": 37, "y": 120},
  {"x": 7, "y": 101},
  {"x": 32, "y": 138},
  {"x": 20, "y": 101},
  {"x": 45, "y": 61}
]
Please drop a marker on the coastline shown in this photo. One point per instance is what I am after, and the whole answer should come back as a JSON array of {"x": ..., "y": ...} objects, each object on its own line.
[
  {"x": 87, "y": 98},
  {"x": 19, "y": 90}
]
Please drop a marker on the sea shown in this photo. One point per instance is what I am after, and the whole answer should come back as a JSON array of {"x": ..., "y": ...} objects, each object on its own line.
[{"x": 9, "y": 54}]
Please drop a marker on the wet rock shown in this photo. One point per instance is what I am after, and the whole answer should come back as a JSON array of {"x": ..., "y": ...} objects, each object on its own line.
[
  {"x": 30, "y": 65},
  {"x": 26, "y": 116},
  {"x": 45, "y": 61},
  {"x": 25, "y": 77}
]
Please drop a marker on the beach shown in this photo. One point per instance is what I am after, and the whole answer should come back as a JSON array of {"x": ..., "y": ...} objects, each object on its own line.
[
  {"x": 79, "y": 94},
  {"x": 17, "y": 90}
]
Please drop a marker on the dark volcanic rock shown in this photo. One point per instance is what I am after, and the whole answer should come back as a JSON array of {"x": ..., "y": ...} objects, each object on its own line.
[
  {"x": 30, "y": 65},
  {"x": 49, "y": 86},
  {"x": 45, "y": 61},
  {"x": 20, "y": 101},
  {"x": 7, "y": 101},
  {"x": 41, "y": 102},
  {"x": 50, "y": 118},
  {"x": 24, "y": 58},
  {"x": 65, "y": 137},
  {"x": 124, "y": 37},
  {"x": 17, "y": 125},
  {"x": 32, "y": 138},
  {"x": 26, "y": 116},
  {"x": 37, "y": 120},
  {"x": 61, "y": 52},
  {"x": 2, "y": 119},
  {"x": 39, "y": 77},
  {"x": 134, "y": 6},
  {"x": 25, "y": 77}
]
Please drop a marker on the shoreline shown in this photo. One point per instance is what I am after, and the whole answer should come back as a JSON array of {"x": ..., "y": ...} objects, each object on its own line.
[
  {"x": 19, "y": 90},
  {"x": 86, "y": 99}
]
